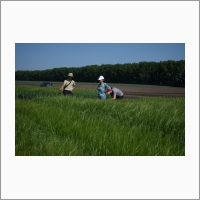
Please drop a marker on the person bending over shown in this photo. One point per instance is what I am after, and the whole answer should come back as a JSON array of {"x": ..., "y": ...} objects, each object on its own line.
[{"x": 115, "y": 93}]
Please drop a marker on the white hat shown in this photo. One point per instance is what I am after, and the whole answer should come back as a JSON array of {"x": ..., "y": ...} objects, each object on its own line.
[
  {"x": 70, "y": 74},
  {"x": 100, "y": 78}
]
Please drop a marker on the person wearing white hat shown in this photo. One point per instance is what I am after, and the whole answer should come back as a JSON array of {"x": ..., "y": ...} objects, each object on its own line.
[
  {"x": 102, "y": 88},
  {"x": 68, "y": 85}
]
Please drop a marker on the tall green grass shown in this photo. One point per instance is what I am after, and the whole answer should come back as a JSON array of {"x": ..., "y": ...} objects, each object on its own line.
[
  {"x": 54, "y": 125},
  {"x": 29, "y": 92}
]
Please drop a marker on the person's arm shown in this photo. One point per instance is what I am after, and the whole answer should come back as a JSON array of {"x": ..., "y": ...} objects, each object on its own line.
[
  {"x": 62, "y": 87},
  {"x": 74, "y": 86},
  {"x": 114, "y": 96},
  {"x": 107, "y": 87}
]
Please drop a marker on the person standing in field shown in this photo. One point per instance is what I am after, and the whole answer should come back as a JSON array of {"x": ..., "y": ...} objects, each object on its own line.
[
  {"x": 115, "y": 93},
  {"x": 68, "y": 85},
  {"x": 102, "y": 88}
]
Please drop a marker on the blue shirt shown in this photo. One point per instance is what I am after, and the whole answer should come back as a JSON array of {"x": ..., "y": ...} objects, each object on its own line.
[{"x": 101, "y": 89}]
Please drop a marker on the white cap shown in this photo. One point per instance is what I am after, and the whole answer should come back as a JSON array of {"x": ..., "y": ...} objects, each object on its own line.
[{"x": 100, "y": 78}]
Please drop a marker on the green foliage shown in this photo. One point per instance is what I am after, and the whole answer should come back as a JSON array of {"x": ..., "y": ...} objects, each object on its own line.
[
  {"x": 79, "y": 126},
  {"x": 168, "y": 73},
  {"x": 29, "y": 92}
]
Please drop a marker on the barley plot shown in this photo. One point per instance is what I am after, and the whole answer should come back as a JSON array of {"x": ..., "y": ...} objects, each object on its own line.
[{"x": 49, "y": 124}]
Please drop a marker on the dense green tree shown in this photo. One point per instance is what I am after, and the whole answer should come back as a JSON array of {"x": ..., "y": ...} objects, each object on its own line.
[{"x": 171, "y": 73}]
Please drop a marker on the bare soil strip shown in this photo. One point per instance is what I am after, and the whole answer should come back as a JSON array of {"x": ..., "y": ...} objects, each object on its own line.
[{"x": 130, "y": 91}]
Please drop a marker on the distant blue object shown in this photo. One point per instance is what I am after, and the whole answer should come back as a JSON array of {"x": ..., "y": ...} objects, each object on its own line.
[{"x": 46, "y": 84}]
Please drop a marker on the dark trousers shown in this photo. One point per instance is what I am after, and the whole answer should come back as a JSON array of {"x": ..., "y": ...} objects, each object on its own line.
[
  {"x": 67, "y": 92},
  {"x": 119, "y": 97}
]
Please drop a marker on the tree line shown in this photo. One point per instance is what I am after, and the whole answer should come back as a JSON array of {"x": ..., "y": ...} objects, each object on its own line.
[{"x": 166, "y": 73}]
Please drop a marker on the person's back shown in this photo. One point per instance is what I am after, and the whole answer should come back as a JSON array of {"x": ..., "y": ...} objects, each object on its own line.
[{"x": 116, "y": 93}]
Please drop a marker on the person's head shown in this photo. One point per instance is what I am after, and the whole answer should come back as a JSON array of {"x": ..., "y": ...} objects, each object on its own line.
[
  {"x": 109, "y": 91},
  {"x": 70, "y": 76},
  {"x": 101, "y": 79}
]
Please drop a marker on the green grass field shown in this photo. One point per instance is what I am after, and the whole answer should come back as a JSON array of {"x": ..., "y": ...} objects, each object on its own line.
[{"x": 49, "y": 124}]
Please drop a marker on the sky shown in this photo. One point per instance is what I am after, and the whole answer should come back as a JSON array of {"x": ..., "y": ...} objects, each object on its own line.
[{"x": 42, "y": 56}]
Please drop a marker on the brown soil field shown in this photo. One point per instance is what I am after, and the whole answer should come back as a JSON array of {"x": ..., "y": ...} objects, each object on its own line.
[{"x": 130, "y": 91}]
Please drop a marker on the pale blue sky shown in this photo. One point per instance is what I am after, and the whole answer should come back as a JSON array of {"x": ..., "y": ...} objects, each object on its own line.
[{"x": 41, "y": 56}]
